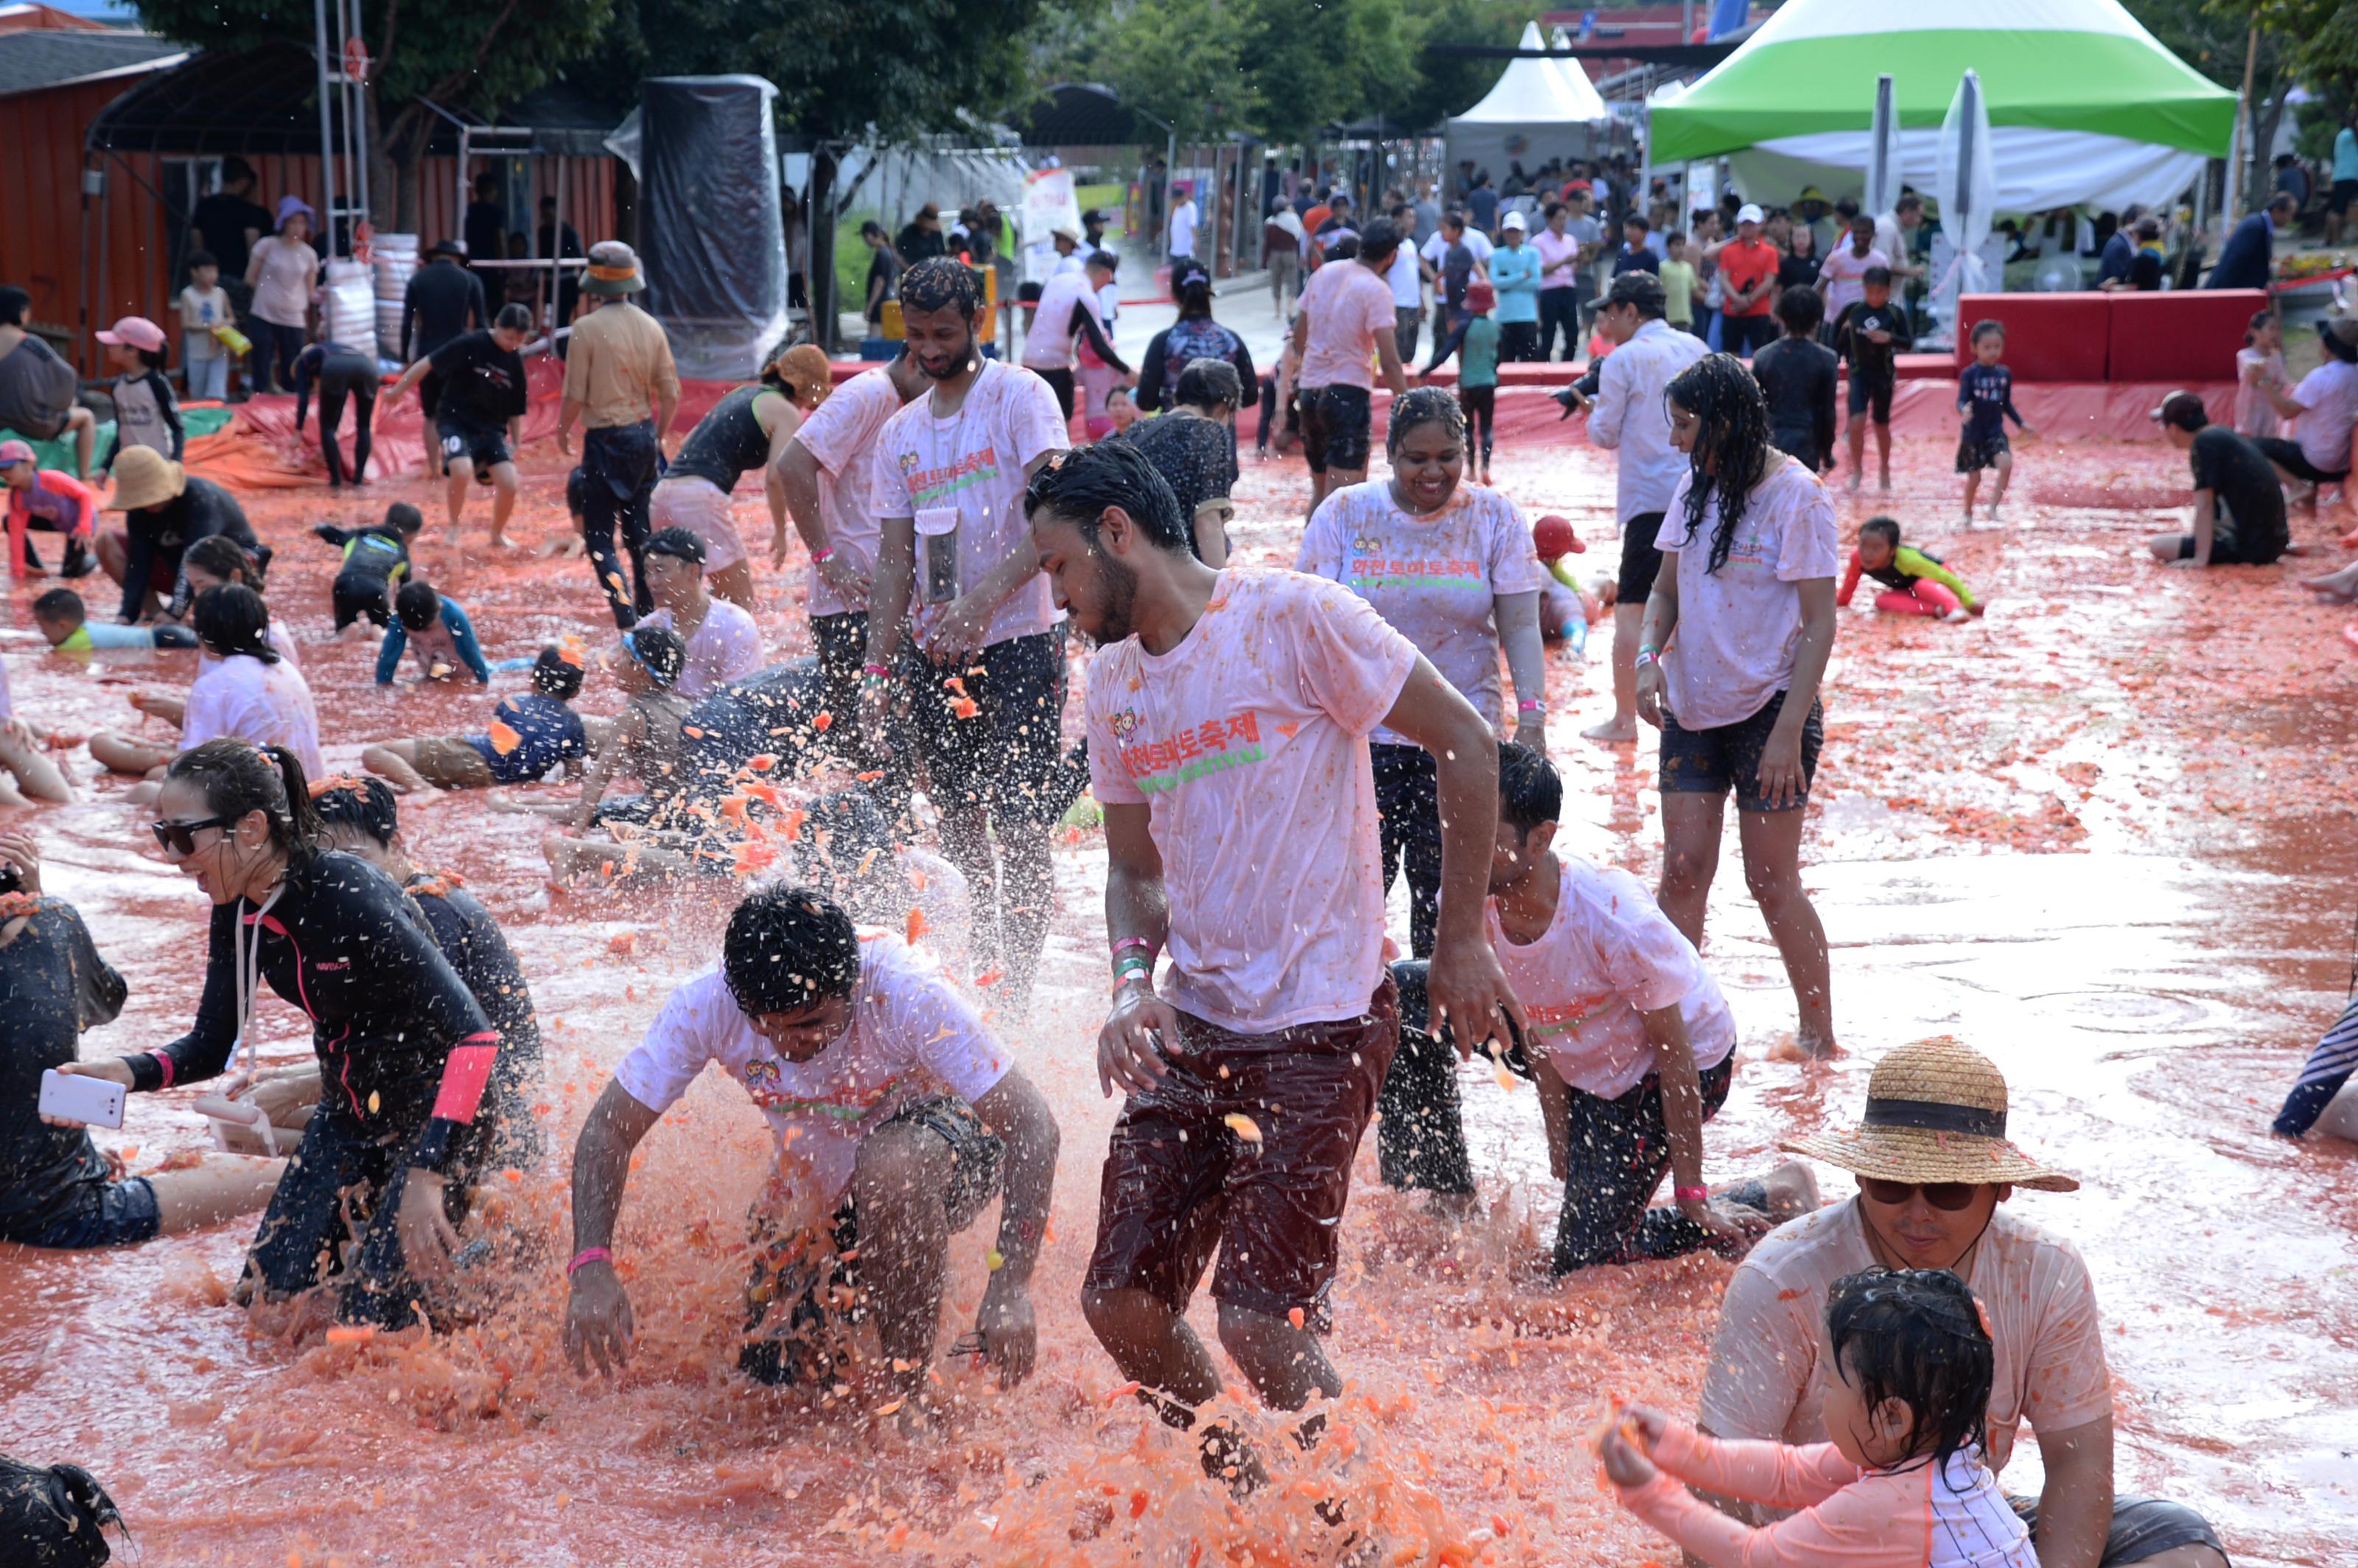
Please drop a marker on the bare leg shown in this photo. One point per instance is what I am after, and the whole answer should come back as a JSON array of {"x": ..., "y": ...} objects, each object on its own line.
[
  {"x": 1152, "y": 1345},
  {"x": 85, "y": 425},
  {"x": 2165, "y": 546},
  {"x": 503, "y": 499},
  {"x": 2340, "y": 1118},
  {"x": 122, "y": 754},
  {"x": 1027, "y": 898},
  {"x": 570, "y": 859},
  {"x": 2194, "y": 1555},
  {"x": 395, "y": 762},
  {"x": 222, "y": 1187},
  {"x": 461, "y": 474},
  {"x": 2341, "y": 585},
  {"x": 1691, "y": 830},
  {"x": 1772, "y": 871},
  {"x": 965, "y": 842},
  {"x": 899, "y": 1186},
  {"x": 1284, "y": 1364},
  {"x": 1857, "y": 438},
  {"x": 37, "y": 774},
  {"x": 733, "y": 582},
  {"x": 1997, "y": 491},
  {"x": 114, "y": 552},
  {"x": 1973, "y": 487},
  {"x": 1883, "y": 454},
  {"x": 1628, "y": 625}
]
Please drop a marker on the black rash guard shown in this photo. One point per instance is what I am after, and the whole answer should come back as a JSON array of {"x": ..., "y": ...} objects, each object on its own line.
[
  {"x": 479, "y": 951},
  {"x": 404, "y": 1050}
]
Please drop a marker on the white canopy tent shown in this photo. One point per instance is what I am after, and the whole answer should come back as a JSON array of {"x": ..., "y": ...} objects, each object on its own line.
[{"x": 1540, "y": 109}]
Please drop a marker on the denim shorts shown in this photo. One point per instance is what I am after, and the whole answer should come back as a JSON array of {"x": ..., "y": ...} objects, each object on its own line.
[
  {"x": 1712, "y": 761},
  {"x": 101, "y": 1213}
]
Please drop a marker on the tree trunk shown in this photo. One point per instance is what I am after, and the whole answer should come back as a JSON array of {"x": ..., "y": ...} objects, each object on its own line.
[
  {"x": 2261, "y": 189},
  {"x": 821, "y": 204}
]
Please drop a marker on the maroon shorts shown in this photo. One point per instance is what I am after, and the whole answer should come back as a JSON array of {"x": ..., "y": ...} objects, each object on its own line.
[{"x": 1179, "y": 1180}]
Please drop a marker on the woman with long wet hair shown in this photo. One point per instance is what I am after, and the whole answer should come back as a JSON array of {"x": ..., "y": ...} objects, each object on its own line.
[{"x": 1730, "y": 657}]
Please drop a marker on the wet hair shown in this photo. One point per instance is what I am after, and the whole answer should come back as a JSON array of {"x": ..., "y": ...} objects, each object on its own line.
[
  {"x": 1985, "y": 328},
  {"x": 1918, "y": 1335},
  {"x": 660, "y": 652},
  {"x": 1883, "y": 529},
  {"x": 514, "y": 317},
  {"x": 1425, "y": 406},
  {"x": 60, "y": 604},
  {"x": 1801, "y": 310},
  {"x": 1732, "y": 444},
  {"x": 942, "y": 283},
  {"x": 788, "y": 949},
  {"x": 14, "y": 303},
  {"x": 404, "y": 518},
  {"x": 1379, "y": 241},
  {"x": 1642, "y": 290},
  {"x": 554, "y": 674},
  {"x": 1209, "y": 383},
  {"x": 416, "y": 606},
  {"x": 2185, "y": 410},
  {"x": 1079, "y": 487},
  {"x": 238, "y": 776},
  {"x": 1196, "y": 294},
  {"x": 351, "y": 801},
  {"x": 1529, "y": 789},
  {"x": 1876, "y": 275},
  {"x": 1104, "y": 259},
  {"x": 232, "y": 619},
  {"x": 223, "y": 558}
]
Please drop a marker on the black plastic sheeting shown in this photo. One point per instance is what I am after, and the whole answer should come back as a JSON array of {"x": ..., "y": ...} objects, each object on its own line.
[{"x": 712, "y": 230}]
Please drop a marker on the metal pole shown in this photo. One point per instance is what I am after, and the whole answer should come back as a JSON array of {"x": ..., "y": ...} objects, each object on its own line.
[
  {"x": 2243, "y": 149},
  {"x": 356, "y": 125},
  {"x": 326, "y": 134}
]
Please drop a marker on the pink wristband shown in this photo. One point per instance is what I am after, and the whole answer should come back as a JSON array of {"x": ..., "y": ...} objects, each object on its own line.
[
  {"x": 586, "y": 1257},
  {"x": 820, "y": 558},
  {"x": 1692, "y": 1194},
  {"x": 1127, "y": 943},
  {"x": 1530, "y": 705}
]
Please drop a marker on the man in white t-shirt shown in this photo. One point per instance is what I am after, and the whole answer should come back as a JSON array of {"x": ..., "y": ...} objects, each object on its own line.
[
  {"x": 1184, "y": 220},
  {"x": 723, "y": 643},
  {"x": 1628, "y": 1039},
  {"x": 985, "y": 684},
  {"x": 1229, "y": 715},
  {"x": 1407, "y": 278},
  {"x": 824, "y": 471},
  {"x": 1068, "y": 316},
  {"x": 1344, "y": 329},
  {"x": 898, "y": 1117}
]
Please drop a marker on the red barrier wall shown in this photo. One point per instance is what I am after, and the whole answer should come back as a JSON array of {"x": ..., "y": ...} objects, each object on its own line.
[
  {"x": 2188, "y": 336},
  {"x": 2049, "y": 337}
]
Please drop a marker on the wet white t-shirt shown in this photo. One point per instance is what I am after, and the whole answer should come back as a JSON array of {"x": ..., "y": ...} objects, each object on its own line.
[
  {"x": 840, "y": 434},
  {"x": 1350, "y": 309},
  {"x": 912, "y": 1035},
  {"x": 727, "y": 646},
  {"x": 966, "y": 473},
  {"x": 1609, "y": 954},
  {"x": 1738, "y": 627},
  {"x": 2330, "y": 396},
  {"x": 269, "y": 705},
  {"x": 1435, "y": 579},
  {"x": 1049, "y": 344},
  {"x": 1249, "y": 742}
]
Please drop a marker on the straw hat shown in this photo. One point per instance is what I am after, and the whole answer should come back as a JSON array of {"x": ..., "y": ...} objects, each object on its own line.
[
  {"x": 1935, "y": 1112},
  {"x": 145, "y": 477}
]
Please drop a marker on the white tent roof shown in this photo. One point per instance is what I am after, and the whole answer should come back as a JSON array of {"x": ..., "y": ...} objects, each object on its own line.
[{"x": 1537, "y": 92}]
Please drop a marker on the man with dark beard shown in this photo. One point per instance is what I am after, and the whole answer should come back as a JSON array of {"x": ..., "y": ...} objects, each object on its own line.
[
  {"x": 1229, "y": 715},
  {"x": 986, "y": 688}
]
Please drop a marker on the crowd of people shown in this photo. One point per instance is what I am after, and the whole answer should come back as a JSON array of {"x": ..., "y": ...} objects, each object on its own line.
[{"x": 1346, "y": 720}]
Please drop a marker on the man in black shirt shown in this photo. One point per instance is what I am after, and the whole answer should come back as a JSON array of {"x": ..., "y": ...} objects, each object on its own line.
[
  {"x": 567, "y": 242},
  {"x": 2239, "y": 505},
  {"x": 1871, "y": 335},
  {"x": 443, "y": 300},
  {"x": 480, "y": 414},
  {"x": 1797, "y": 374},
  {"x": 485, "y": 228},
  {"x": 229, "y": 223}
]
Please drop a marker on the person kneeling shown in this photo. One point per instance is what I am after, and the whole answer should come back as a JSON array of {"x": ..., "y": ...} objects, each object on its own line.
[
  {"x": 531, "y": 732},
  {"x": 2239, "y": 507},
  {"x": 1915, "y": 582},
  {"x": 810, "y": 1015}
]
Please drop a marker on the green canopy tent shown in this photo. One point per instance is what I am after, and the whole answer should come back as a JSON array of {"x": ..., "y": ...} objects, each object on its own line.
[{"x": 2085, "y": 106}]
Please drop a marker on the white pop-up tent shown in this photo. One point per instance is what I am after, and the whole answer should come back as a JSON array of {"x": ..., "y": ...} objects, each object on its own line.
[{"x": 1540, "y": 109}]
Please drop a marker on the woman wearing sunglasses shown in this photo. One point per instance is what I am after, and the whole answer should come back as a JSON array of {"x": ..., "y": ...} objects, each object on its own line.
[
  {"x": 389, "y": 1162},
  {"x": 1933, "y": 1167}
]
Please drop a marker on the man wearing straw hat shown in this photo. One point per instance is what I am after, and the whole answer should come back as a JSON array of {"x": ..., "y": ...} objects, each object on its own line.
[
  {"x": 1934, "y": 1166},
  {"x": 619, "y": 367}
]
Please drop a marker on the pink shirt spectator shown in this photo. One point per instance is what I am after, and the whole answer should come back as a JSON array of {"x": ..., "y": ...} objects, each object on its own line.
[
  {"x": 964, "y": 476},
  {"x": 840, "y": 433},
  {"x": 1348, "y": 306},
  {"x": 1739, "y": 626},
  {"x": 1249, "y": 741},
  {"x": 1435, "y": 579},
  {"x": 1559, "y": 259},
  {"x": 1844, "y": 274},
  {"x": 726, "y": 647},
  {"x": 911, "y": 1034},
  {"x": 269, "y": 705}
]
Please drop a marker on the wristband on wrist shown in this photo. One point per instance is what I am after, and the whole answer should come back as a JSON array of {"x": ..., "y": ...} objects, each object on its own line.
[
  {"x": 1692, "y": 1194},
  {"x": 877, "y": 672},
  {"x": 1530, "y": 705},
  {"x": 821, "y": 556},
  {"x": 1646, "y": 656},
  {"x": 1127, "y": 943},
  {"x": 586, "y": 1257}
]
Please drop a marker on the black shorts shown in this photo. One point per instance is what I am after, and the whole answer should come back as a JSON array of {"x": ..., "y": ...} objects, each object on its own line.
[
  {"x": 2142, "y": 1527},
  {"x": 1639, "y": 560},
  {"x": 1335, "y": 423},
  {"x": 1972, "y": 455},
  {"x": 2286, "y": 455},
  {"x": 100, "y": 1213},
  {"x": 1616, "y": 1153},
  {"x": 2338, "y": 200},
  {"x": 484, "y": 449},
  {"x": 360, "y": 595},
  {"x": 1870, "y": 394},
  {"x": 1060, "y": 381},
  {"x": 1712, "y": 761},
  {"x": 992, "y": 733},
  {"x": 804, "y": 1294},
  {"x": 2232, "y": 546}
]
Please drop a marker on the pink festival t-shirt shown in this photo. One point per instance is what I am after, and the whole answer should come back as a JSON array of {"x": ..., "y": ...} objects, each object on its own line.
[
  {"x": 1348, "y": 306},
  {"x": 1248, "y": 741},
  {"x": 840, "y": 433},
  {"x": 973, "y": 462},
  {"x": 1435, "y": 578}
]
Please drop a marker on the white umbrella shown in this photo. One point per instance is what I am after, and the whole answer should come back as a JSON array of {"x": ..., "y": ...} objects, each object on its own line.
[
  {"x": 1883, "y": 181},
  {"x": 1967, "y": 187}
]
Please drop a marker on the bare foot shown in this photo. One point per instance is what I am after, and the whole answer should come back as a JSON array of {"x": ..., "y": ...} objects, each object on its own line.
[
  {"x": 1853, "y": 481},
  {"x": 1886, "y": 482},
  {"x": 1802, "y": 1047},
  {"x": 1614, "y": 731}
]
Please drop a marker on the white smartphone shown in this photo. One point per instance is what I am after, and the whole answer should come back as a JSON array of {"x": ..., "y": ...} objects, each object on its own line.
[{"x": 73, "y": 1098}]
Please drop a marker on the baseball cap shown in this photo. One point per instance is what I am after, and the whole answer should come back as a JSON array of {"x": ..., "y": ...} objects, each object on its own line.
[
  {"x": 136, "y": 332},
  {"x": 15, "y": 452},
  {"x": 2183, "y": 409},
  {"x": 1514, "y": 220},
  {"x": 677, "y": 543},
  {"x": 1749, "y": 213}
]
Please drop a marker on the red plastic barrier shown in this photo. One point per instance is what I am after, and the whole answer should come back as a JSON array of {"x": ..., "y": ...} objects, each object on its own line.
[
  {"x": 1925, "y": 367},
  {"x": 2049, "y": 337},
  {"x": 2185, "y": 335}
]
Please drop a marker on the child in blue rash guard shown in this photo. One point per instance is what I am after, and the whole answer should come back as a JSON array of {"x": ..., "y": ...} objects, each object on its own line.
[
  {"x": 63, "y": 620},
  {"x": 530, "y": 733},
  {"x": 1985, "y": 403},
  {"x": 442, "y": 636}
]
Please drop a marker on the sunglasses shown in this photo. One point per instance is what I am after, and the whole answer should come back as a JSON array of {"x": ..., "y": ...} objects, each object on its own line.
[
  {"x": 1946, "y": 1196},
  {"x": 180, "y": 839}
]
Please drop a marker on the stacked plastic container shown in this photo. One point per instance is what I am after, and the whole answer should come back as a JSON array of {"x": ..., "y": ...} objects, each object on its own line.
[
  {"x": 396, "y": 260},
  {"x": 349, "y": 306}
]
